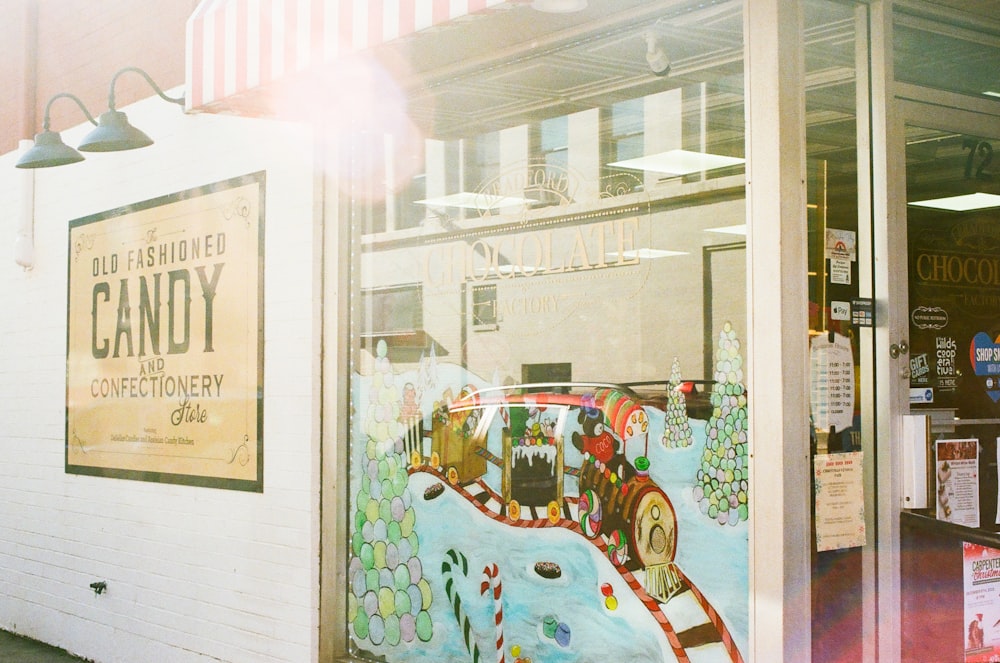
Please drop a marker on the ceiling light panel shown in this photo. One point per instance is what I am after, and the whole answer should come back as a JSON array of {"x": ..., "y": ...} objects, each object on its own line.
[
  {"x": 646, "y": 254},
  {"x": 740, "y": 229},
  {"x": 966, "y": 203},
  {"x": 679, "y": 162},
  {"x": 477, "y": 201}
]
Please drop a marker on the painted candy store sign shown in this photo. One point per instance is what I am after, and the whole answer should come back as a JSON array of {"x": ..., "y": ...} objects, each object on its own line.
[{"x": 164, "y": 350}]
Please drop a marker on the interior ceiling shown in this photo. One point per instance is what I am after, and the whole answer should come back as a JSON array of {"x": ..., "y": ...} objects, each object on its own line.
[
  {"x": 951, "y": 45},
  {"x": 520, "y": 65},
  {"x": 543, "y": 65}
]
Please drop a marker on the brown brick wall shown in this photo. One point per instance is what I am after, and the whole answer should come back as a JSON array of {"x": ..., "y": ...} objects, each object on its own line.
[
  {"x": 77, "y": 46},
  {"x": 15, "y": 99}
]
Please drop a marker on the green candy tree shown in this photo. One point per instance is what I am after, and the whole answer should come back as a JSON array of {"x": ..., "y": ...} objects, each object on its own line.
[
  {"x": 722, "y": 480},
  {"x": 390, "y": 596},
  {"x": 677, "y": 428}
]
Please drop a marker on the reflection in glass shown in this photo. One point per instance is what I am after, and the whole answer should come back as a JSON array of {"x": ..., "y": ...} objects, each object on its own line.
[{"x": 568, "y": 409}]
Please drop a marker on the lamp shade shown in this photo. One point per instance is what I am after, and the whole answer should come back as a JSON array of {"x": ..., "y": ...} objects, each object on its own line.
[
  {"x": 48, "y": 151},
  {"x": 114, "y": 134}
]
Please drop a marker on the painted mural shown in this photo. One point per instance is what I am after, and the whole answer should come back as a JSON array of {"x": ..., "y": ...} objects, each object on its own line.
[{"x": 547, "y": 523}]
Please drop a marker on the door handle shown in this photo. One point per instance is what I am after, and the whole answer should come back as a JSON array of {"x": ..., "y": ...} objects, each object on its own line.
[{"x": 898, "y": 349}]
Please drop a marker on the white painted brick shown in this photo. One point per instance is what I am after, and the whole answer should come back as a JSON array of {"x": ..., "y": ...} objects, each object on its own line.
[{"x": 194, "y": 574}]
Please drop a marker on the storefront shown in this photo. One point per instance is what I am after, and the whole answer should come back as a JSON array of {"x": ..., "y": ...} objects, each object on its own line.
[
  {"x": 551, "y": 430},
  {"x": 596, "y": 327},
  {"x": 548, "y": 282},
  {"x": 549, "y": 453}
]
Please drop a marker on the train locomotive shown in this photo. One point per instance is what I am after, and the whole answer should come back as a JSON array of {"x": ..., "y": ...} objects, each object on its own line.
[{"x": 618, "y": 500}]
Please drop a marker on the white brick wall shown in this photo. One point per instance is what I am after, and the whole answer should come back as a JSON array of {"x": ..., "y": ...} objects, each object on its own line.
[{"x": 194, "y": 574}]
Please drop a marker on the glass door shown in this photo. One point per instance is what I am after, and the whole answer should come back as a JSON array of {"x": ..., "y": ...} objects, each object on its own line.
[
  {"x": 934, "y": 64},
  {"x": 839, "y": 233},
  {"x": 953, "y": 240},
  {"x": 946, "y": 88}
]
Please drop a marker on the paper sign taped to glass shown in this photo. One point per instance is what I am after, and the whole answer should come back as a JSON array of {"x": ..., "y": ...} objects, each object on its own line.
[{"x": 831, "y": 382}]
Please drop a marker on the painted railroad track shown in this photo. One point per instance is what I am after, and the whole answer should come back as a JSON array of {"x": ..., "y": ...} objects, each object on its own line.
[{"x": 693, "y": 628}]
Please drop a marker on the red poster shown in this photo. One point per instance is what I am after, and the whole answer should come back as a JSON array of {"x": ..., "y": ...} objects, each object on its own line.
[{"x": 982, "y": 603}]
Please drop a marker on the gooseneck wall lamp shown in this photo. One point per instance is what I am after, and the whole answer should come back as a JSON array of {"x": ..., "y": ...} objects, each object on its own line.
[
  {"x": 49, "y": 149},
  {"x": 112, "y": 133}
]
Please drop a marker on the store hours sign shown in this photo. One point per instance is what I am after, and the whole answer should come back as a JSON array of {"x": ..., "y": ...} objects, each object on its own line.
[{"x": 164, "y": 363}]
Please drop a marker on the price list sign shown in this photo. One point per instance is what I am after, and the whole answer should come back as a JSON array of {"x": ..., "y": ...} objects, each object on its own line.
[{"x": 831, "y": 388}]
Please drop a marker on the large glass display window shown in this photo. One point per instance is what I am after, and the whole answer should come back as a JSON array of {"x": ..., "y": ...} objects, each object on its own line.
[{"x": 549, "y": 448}]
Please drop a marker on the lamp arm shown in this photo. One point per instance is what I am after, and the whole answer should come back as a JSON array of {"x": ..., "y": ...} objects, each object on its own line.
[
  {"x": 45, "y": 122},
  {"x": 111, "y": 93}
]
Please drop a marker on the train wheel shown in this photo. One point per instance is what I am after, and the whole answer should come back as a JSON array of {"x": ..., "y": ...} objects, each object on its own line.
[
  {"x": 452, "y": 475},
  {"x": 555, "y": 514},
  {"x": 514, "y": 510},
  {"x": 590, "y": 514}
]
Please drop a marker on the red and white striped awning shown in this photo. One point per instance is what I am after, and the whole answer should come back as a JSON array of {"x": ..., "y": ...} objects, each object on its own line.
[{"x": 236, "y": 46}]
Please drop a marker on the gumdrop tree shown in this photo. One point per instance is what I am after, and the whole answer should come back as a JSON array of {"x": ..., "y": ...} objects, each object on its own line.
[
  {"x": 721, "y": 481},
  {"x": 390, "y": 596},
  {"x": 677, "y": 428}
]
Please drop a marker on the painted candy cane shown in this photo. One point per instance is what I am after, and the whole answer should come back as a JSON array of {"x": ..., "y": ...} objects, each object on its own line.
[
  {"x": 457, "y": 559},
  {"x": 491, "y": 577}
]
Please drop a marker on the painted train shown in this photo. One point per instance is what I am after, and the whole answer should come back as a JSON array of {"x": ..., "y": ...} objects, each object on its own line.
[{"x": 618, "y": 502}]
